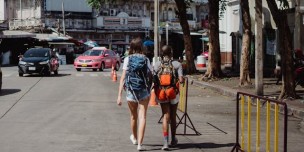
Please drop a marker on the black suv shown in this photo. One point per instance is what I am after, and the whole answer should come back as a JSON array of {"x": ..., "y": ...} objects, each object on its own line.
[
  {"x": 0, "y": 79},
  {"x": 38, "y": 60}
]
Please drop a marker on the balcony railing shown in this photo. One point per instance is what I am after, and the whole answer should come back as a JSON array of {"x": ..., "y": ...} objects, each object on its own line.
[
  {"x": 25, "y": 23},
  {"x": 114, "y": 22}
]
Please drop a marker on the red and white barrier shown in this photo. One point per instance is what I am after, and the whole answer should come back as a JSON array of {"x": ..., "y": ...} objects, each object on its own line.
[{"x": 201, "y": 61}]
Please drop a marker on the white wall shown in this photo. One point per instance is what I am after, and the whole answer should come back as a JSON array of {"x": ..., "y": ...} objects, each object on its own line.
[
  {"x": 229, "y": 23},
  {"x": 2, "y": 10},
  {"x": 69, "y": 5}
]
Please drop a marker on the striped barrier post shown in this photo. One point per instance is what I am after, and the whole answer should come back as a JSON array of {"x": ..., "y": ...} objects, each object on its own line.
[{"x": 254, "y": 104}]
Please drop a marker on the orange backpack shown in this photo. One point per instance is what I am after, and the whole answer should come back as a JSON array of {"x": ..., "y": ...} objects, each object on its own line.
[{"x": 166, "y": 80}]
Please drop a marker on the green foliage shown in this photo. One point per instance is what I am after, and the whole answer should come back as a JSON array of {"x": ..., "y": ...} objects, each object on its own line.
[
  {"x": 284, "y": 4},
  {"x": 97, "y": 3},
  {"x": 223, "y": 4}
]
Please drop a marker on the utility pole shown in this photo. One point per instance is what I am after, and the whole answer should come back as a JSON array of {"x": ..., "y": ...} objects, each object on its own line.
[
  {"x": 20, "y": 10},
  {"x": 167, "y": 33},
  {"x": 258, "y": 48},
  {"x": 156, "y": 3},
  {"x": 63, "y": 24},
  {"x": 297, "y": 32}
]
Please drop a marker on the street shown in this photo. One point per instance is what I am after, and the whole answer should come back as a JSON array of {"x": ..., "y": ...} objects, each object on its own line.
[{"x": 77, "y": 112}]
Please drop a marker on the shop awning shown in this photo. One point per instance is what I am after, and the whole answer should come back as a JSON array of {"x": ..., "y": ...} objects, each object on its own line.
[
  {"x": 205, "y": 39},
  {"x": 120, "y": 43},
  {"x": 191, "y": 33},
  {"x": 51, "y": 37},
  {"x": 62, "y": 43},
  {"x": 16, "y": 34}
]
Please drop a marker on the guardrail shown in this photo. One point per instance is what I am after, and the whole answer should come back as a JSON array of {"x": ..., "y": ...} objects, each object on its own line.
[{"x": 258, "y": 102}]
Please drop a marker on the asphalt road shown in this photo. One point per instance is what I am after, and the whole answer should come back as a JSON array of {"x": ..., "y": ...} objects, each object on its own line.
[{"x": 77, "y": 112}]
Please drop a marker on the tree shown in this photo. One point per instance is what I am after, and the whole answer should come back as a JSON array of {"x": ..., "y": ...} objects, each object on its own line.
[
  {"x": 244, "y": 68},
  {"x": 214, "y": 60},
  {"x": 182, "y": 14},
  {"x": 97, "y": 3},
  {"x": 280, "y": 18}
]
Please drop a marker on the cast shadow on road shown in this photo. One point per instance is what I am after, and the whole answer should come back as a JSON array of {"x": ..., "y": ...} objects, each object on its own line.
[
  {"x": 52, "y": 75},
  {"x": 5, "y": 92},
  {"x": 181, "y": 146}
]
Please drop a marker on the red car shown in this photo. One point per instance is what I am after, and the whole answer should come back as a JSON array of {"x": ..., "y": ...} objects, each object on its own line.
[
  {"x": 206, "y": 54},
  {"x": 97, "y": 58}
]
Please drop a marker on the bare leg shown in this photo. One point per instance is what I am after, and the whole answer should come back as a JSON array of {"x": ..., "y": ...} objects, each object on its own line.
[
  {"x": 143, "y": 106},
  {"x": 166, "y": 120},
  {"x": 166, "y": 116},
  {"x": 173, "y": 109},
  {"x": 133, "y": 113}
]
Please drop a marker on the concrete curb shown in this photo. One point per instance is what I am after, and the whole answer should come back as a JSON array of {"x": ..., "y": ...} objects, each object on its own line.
[
  {"x": 292, "y": 110},
  {"x": 221, "y": 89}
]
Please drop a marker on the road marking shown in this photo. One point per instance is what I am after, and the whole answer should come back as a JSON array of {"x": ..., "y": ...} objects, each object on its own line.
[
  {"x": 106, "y": 74},
  {"x": 93, "y": 75},
  {"x": 79, "y": 75},
  {"x": 7, "y": 75}
]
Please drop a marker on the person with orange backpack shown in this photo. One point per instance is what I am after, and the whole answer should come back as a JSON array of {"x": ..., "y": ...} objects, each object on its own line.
[{"x": 167, "y": 76}]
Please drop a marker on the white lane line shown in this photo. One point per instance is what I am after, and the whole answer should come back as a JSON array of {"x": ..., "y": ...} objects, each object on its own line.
[
  {"x": 79, "y": 75},
  {"x": 94, "y": 75},
  {"x": 7, "y": 75}
]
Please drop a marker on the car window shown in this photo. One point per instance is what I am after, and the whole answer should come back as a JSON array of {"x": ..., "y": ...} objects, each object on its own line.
[
  {"x": 37, "y": 53},
  {"x": 111, "y": 53},
  {"x": 92, "y": 53},
  {"x": 107, "y": 52}
]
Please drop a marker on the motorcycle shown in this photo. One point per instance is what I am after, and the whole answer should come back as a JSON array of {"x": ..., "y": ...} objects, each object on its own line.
[{"x": 298, "y": 69}]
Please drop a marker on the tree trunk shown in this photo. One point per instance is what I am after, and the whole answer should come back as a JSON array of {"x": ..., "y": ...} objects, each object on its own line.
[
  {"x": 181, "y": 6},
  {"x": 288, "y": 77},
  {"x": 244, "y": 68},
  {"x": 214, "y": 60}
]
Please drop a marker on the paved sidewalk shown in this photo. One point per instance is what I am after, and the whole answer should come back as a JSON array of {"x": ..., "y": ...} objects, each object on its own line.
[{"x": 229, "y": 86}]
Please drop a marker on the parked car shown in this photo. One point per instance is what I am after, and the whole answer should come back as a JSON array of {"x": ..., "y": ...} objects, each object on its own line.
[
  {"x": 38, "y": 60},
  {"x": 97, "y": 58},
  {"x": 0, "y": 79}
]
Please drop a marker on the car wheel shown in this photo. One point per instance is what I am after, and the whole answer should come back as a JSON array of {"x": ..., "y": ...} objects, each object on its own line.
[
  {"x": 78, "y": 69},
  {"x": 56, "y": 72},
  {"x": 102, "y": 66},
  {"x": 117, "y": 66},
  {"x": 20, "y": 74},
  {"x": 94, "y": 69}
]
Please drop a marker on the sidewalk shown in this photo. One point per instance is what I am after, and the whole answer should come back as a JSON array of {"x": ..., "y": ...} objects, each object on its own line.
[{"x": 229, "y": 86}]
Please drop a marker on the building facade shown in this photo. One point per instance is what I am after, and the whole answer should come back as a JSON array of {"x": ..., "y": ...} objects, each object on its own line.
[
  {"x": 112, "y": 25},
  {"x": 231, "y": 32}
]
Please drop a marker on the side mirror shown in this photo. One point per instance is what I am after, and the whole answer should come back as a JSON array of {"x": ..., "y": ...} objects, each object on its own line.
[{"x": 106, "y": 55}]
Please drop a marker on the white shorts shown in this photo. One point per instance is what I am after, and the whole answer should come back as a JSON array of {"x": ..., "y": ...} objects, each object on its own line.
[{"x": 172, "y": 102}]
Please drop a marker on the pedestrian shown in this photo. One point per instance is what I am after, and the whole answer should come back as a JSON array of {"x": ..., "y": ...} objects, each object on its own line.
[
  {"x": 169, "y": 102},
  {"x": 136, "y": 68}
]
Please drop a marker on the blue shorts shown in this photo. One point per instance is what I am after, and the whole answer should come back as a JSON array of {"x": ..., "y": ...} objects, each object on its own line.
[{"x": 140, "y": 95}]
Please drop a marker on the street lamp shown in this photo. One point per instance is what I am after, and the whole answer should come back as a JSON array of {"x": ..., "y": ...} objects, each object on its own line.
[
  {"x": 63, "y": 24},
  {"x": 167, "y": 34},
  {"x": 20, "y": 10},
  {"x": 155, "y": 31}
]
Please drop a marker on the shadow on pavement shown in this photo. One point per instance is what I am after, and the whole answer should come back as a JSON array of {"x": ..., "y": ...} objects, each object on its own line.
[
  {"x": 39, "y": 75},
  {"x": 8, "y": 91},
  {"x": 190, "y": 146},
  {"x": 203, "y": 145}
]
